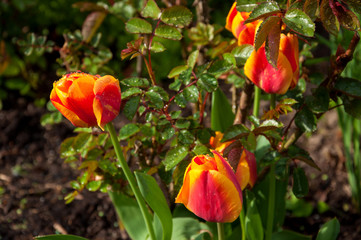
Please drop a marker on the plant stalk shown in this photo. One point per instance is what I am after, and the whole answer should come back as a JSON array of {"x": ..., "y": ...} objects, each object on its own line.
[
  {"x": 130, "y": 177},
  {"x": 257, "y": 97},
  {"x": 242, "y": 218},
  {"x": 220, "y": 229}
]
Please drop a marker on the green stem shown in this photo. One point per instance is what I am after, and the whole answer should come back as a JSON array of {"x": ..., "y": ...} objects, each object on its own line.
[
  {"x": 220, "y": 229},
  {"x": 242, "y": 218},
  {"x": 257, "y": 97},
  {"x": 130, "y": 177},
  {"x": 271, "y": 189}
]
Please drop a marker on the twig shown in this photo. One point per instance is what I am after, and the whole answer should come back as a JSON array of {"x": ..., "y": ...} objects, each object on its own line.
[{"x": 245, "y": 101}]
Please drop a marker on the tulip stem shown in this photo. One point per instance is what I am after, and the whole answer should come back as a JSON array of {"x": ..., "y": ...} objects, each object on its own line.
[
  {"x": 242, "y": 218},
  {"x": 271, "y": 189},
  {"x": 257, "y": 97},
  {"x": 130, "y": 177},
  {"x": 220, "y": 229}
]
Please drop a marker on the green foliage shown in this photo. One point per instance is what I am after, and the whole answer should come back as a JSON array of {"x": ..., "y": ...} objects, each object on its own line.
[{"x": 329, "y": 230}]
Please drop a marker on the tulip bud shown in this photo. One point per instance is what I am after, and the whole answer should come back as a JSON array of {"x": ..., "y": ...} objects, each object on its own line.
[
  {"x": 211, "y": 190},
  {"x": 246, "y": 172},
  {"x": 87, "y": 100}
]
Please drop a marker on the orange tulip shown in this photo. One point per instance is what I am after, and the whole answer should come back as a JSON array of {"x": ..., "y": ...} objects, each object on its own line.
[
  {"x": 257, "y": 68},
  {"x": 216, "y": 143},
  {"x": 87, "y": 100},
  {"x": 246, "y": 172},
  {"x": 211, "y": 190}
]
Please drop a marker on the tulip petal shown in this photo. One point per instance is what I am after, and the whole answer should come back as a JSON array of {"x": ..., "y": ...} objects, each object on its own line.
[
  {"x": 246, "y": 172},
  {"x": 232, "y": 13},
  {"x": 214, "y": 197},
  {"x": 216, "y": 143},
  {"x": 107, "y": 100},
  {"x": 265, "y": 76},
  {"x": 289, "y": 47}
]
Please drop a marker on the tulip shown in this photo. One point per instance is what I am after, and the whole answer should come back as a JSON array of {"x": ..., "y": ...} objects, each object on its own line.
[
  {"x": 216, "y": 143},
  {"x": 246, "y": 172},
  {"x": 87, "y": 100},
  {"x": 257, "y": 68},
  {"x": 211, "y": 190}
]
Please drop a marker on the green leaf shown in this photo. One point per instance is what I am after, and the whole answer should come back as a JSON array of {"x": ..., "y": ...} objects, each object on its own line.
[
  {"x": 287, "y": 235},
  {"x": 174, "y": 156},
  {"x": 186, "y": 228},
  {"x": 201, "y": 149},
  {"x": 185, "y": 137},
  {"x": 185, "y": 76},
  {"x": 154, "y": 196},
  {"x": 168, "y": 32},
  {"x": 234, "y": 132},
  {"x": 151, "y": 10},
  {"x": 349, "y": 86},
  {"x": 306, "y": 120},
  {"x": 191, "y": 94},
  {"x": 157, "y": 47},
  {"x": 128, "y": 130},
  {"x": 266, "y": 126},
  {"x": 60, "y": 237},
  {"x": 242, "y": 53},
  {"x": 168, "y": 132},
  {"x": 135, "y": 82},
  {"x": 161, "y": 92},
  {"x": 219, "y": 67},
  {"x": 82, "y": 141},
  {"x": 246, "y": 5},
  {"x": 180, "y": 100},
  {"x": 298, "y": 153},
  {"x": 319, "y": 100},
  {"x": 221, "y": 113},
  {"x": 352, "y": 106},
  {"x": 131, "y": 107},
  {"x": 264, "y": 9},
  {"x": 130, "y": 92},
  {"x": 300, "y": 183},
  {"x": 311, "y": 8},
  {"x": 300, "y": 22},
  {"x": 192, "y": 59},
  {"x": 93, "y": 185},
  {"x": 207, "y": 82},
  {"x": 155, "y": 99},
  {"x": 138, "y": 25},
  {"x": 130, "y": 215},
  {"x": 177, "y": 70},
  {"x": 178, "y": 16},
  {"x": 253, "y": 222},
  {"x": 329, "y": 230}
]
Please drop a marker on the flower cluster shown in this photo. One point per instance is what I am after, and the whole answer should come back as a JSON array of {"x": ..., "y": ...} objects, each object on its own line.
[{"x": 257, "y": 68}]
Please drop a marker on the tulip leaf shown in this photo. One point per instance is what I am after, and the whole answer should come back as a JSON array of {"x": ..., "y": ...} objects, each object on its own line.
[
  {"x": 174, "y": 156},
  {"x": 130, "y": 92},
  {"x": 151, "y": 10},
  {"x": 287, "y": 234},
  {"x": 157, "y": 47},
  {"x": 191, "y": 93},
  {"x": 329, "y": 230},
  {"x": 135, "y": 82},
  {"x": 235, "y": 132},
  {"x": 254, "y": 228},
  {"x": 349, "y": 86},
  {"x": 178, "y": 16},
  {"x": 192, "y": 58},
  {"x": 187, "y": 228},
  {"x": 300, "y": 183},
  {"x": 306, "y": 120},
  {"x": 264, "y": 9},
  {"x": 318, "y": 102},
  {"x": 221, "y": 113},
  {"x": 130, "y": 215},
  {"x": 300, "y": 22},
  {"x": 128, "y": 130},
  {"x": 328, "y": 18},
  {"x": 177, "y": 70},
  {"x": 131, "y": 107},
  {"x": 168, "y": 32},
  {"x": 207, "y": 82},
  {"x": 138, "y": 25},
  {"x": 60, "y": 237},
  {"x": 154, "y": 196},
  {"x": 242, "y": 53}
]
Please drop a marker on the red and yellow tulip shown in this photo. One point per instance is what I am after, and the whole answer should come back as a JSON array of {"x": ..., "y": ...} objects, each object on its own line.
[
  {"x": 211, "y": 190},
  {"x": 257, "y": 68},
  {"x": 87, "y": 100},
  {"x": 216, "y": 143}
]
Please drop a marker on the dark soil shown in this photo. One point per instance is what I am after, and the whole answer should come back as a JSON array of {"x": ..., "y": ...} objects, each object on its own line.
[{"x": 34, "y": 181}]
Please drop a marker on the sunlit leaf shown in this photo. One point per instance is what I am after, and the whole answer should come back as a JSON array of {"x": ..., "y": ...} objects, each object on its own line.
[
  {"x": 138, "y": 25},
  {"x": 151, "y": 10},
  {"x": 300, "y": 22},
  {"x": 178, "y": 16}
]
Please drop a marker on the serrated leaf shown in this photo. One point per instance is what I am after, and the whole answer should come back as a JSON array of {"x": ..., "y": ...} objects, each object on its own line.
[
  {"x": 345, "y": 17},
  {"x": 155, "y": 99},
  {"x": 349, "y": 86},
  {"x": 180, "y": 100},
  {"x": 311, "y": 8},
  {"x": 300, "y": 22},
  {"x": 128, "y": 130},
  {"x": 151, "y": 10},
  {"x": 300, "y": 183},
  {"x": 185, "y": 76},
  {"x": 175, "y": 86},
  {"x": 130, "y": 92},
  {"x": 207, "y": 82},
  {"x": 262, "y": 10},
  {"x": 185, "y": 137},
  {"x": 219, "y": 67},
  {"x": 131, "y": 107},
  {"x": 267, "y": 125},
  {"x": 306, "y": 120},
  {"x": 246, "y": 5},
  {"x": 177, "y": 70},
  {"x": 235, "y": 132},
  {"x": 329, "y": 230},
  {"x": 264, "y": 30},
  {"x": 138, "y": 25},
  {"x": 295, "y": 152},
  {"x": 273, "y": 44},
  {"x": 192, "y": 59},
  {"x": 178, "y": 16},
  {"x": 161, "y": 92},
  {"x": 135, "y": 82},
  {"x": 174, "y": 156},
  {"x": 329, "y": 20},
  {"x": 191, "y": 94},
  {"x": 157, "y": 47},
  {"x": 168, "y": 32},
  {"x": 242, "y": 53},
  {"x": 201, "y": 149}
]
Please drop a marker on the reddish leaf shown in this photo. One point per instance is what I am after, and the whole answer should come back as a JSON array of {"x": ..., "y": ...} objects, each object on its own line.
[
  {"x": 264, "y": 30},
  {"x": 347, "y": 18},
  {"x": 312, "y": 9},
  {"x": 91, "y": 25},
  {"x": 273, "y": 44},
  {"x": 328, "y": 18}
]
